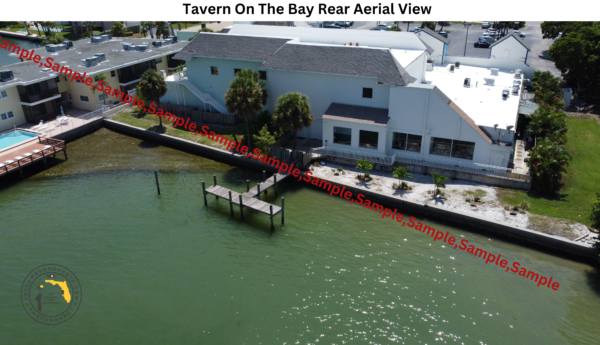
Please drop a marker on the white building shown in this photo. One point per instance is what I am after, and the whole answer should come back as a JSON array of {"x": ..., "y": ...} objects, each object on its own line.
[{"x": 371, "y": 92}]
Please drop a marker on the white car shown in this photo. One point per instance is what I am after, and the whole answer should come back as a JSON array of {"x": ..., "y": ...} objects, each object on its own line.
[
  {"x": 485, "y": 25},
  {"x": 383, "y": 27},
  {"x": 519, "y": 33}
]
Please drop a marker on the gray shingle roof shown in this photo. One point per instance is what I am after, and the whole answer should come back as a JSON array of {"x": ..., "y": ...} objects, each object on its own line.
[
  {"x": 232, "y": 47},
  {"x": 356, "y": 61},
  {"x": 436, "y": 35},
  {"x": 355, "y": 113},
  {"x": 116, "y": 57},
  {"x": 515, "y": 36}
]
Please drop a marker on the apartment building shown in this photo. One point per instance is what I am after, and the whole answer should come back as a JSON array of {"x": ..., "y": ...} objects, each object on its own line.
[{"x": 30, "y": 92}]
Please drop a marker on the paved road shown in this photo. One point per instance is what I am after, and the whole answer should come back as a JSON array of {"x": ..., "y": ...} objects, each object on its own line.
[{"x": 537, "y": 59}]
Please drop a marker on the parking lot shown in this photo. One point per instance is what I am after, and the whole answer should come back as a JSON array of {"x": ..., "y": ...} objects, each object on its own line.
[{"x": 457, "y": 34}]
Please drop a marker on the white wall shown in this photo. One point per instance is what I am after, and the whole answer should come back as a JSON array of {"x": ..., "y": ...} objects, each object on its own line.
[
  {"x": 509, "y": 49},
  {"x": 417, "y": 68},
  {"x": 324, "y": 89},
  {"x": 434, "y": 43},
  {"x": 505, "y": 65},
  {"x": 328, "y": 125},
  {"x": 417, "y": 109}
]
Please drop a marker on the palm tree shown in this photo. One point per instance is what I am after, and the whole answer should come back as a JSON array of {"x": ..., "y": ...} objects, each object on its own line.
[
  {"x": 364, "y": 165},
  {"x": 547, "y": 162},
  {"x": 27, "y": 27},
  {"x": 144, "y": 29},
  {"x": 407, "y": 23},
  {"x": 246, "y": 96},
  {"x": 292, "y": 112},
  {"x": 117, "y": 30},
  {"x": 88, "y": 26},
  {"x": 438, "y": 181},
  {"x": 401, "y": 173},
  {"x": 152, "y": 86},
  {"x": 37, "y": 25},
  {"x": 546, "y": 80},
  {"x": 171, "y": 26},
  {"x": 430, "y": 25},
  {"x": 97, "y": 78},
  {"x": 149, "y": 26},
  {"x": 161, "y": 29},
  {"x": 547, "y": 121},
  {"x": 179, "y": 25}
]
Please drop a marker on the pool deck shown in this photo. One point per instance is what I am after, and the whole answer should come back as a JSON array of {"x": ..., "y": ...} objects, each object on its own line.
[{"x": 17, "y": 153}]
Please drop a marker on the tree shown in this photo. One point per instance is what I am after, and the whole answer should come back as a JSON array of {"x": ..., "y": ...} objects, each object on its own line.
[
  {"x": 246, "y": 96},
  {"x": 401, "y": 173},
  {"x": 430, "y": 25},
  {"x": 47, "y": 26},
  {"x": 54, "y": 38},
  {"x": 27, "y": 27},
  {"x": 364, "y": 165},
  {"x": 149, "y": 26},
  {"x": 88, "y": 26},
  {"x": 117, "y": 30},
  {"x": 552, "y": 29},
  {"x": 171, "y": 26},
  {"x": 37, "y": 25},
  {"x": 438, "y": 181},
  {"x": 546, "y": 121},
  {"x": 264, "y": 139},
  {"x": 442, "y": 24},
  {"x": 162, "y": 30},
  {"x": 144, "y": 29},
  {"x": 394, "y": 28},
  {"x": 547, "y": 162},
  {"x": 595, "y": 214},
  {"x": 407, "y": 23},
  {"x": 577, "y": 56},
  {"x": 292, "y": 112},
  {"x": 152, "y": 86}
]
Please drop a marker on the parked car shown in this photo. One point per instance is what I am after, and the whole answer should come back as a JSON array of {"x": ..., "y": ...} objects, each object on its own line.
[
  {"x": 485, "y": 25},
  {"x": 346, "y": 24},
  {"x": 443, "y": 33},
  {"x": 482, "y": 43},
  {"x": 488, "y": 39},
  {"x": 383, "y": 27},
  {"x": 521, "y": 34},
  {"x": 332, "y": 26}
]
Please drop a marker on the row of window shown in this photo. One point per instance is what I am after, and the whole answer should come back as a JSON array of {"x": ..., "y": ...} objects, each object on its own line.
[
  {"x": 214, "y": 70},
  {"x": 407, "y": 142},
  {"x": 6, "y": 116}
]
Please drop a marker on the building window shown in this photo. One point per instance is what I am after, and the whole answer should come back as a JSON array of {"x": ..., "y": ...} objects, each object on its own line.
[
  {"x": 262, "y": 75},
  {"x": 367, "y": 92},
  {"x": 214, "y": 70},
  {"x": 342, "y": 135},
  {"x": 158, "y": 60},
  {"x": 463, "y": 149},
  {"x": 84, "y": 99},
  {"x": 3, "y": 94},
  {"x": 368, "y": 139},
  {"x": 7, "y": 116},
  {"x": 235, "y": 71},
  {"x": 113, "y": 74},
  {"x": 452, "y": 148},
  {"x": 406, "y": 142}
]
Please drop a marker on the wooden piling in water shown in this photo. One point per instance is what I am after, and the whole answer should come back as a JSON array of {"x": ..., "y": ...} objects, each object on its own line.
[
  {"x": 157, "y": 185},
  {"x": 241, "y": 207},
  {"x": 230, "y": 204},
  {"x": 214, "y": 184},
  {"x": 264, "y": 180},
  {"x": 275, "y": 180},
  {"x": 204, "y": 193},
  {"x": 282, "y": 210},
  {"x": 247, "y": 185},
  {"x": 258, "y": 189},
  {"x": 271, "y": 211}
]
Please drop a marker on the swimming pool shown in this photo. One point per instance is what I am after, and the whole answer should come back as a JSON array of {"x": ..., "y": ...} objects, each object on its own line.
[{"x": 15, "y": 137}]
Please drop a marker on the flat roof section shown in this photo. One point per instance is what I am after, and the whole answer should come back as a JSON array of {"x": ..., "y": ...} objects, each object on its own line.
[
  {"x": 28, "y": 72},
  {"x": 356, "y": 113},
  {"x": 481, "y": 102},
  {"x": 406, "y": 57}
]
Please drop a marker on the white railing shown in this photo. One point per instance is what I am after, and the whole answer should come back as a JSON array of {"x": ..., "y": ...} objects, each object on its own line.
[{"x": 378, "y": 158}]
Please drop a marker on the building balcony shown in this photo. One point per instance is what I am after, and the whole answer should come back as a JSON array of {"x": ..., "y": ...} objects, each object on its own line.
[{"x": 42, "y": 96}]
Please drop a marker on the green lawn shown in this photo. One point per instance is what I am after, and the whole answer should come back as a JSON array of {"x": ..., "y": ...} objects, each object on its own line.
[
  {"x": 150, "y": 122},
  {"x": 581, "y": 182}
]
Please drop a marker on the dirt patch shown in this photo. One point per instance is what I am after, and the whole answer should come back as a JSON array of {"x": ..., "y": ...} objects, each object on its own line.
[{"x": 556, "y": 226}]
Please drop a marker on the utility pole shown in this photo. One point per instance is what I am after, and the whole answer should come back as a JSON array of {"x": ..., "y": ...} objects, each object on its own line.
[{"x": 466, "y": 37}]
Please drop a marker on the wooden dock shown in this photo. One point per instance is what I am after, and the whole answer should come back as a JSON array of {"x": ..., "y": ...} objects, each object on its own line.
[
  {"x": 30, "y": 153},
  {"x": 250, "y": 199}
]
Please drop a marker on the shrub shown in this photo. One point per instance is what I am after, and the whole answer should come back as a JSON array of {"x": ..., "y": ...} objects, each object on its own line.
[
  {"x": 364, "y": 165},
  {"x": 367, "y": 175},
  {"x": 524, "y": 205},
  {"x": 477, "y": 199},
  {"x": 128, "y": 33},
  {"x": 263, "y": 140},
  {"x": 516, "y": 208},
  {"x": 340, "y": 169},
  {"x": 332, "y": 170}
]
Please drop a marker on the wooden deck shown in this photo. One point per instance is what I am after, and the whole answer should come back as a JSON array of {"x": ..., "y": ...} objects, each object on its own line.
[
  {"x": 249, "y": 202},
  {"x": 264, "y": 186},
  {"x": 44, "y": 147}
]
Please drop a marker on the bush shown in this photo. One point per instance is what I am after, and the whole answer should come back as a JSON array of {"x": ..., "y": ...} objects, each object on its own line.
[
  {"x": 86, "y": 34},
  {"x": 340, "y": 169},
  {"x": 595, "y": 214},
  {"x": 128, "y": 33},
  {"x": 263, "y": 140},
  {"x": 367, "y": 175}
]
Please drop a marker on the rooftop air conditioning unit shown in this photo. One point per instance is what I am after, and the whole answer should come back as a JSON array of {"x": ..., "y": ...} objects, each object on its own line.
[
  {"x": 494, "y": 71},
  {"x": 429, "y": 67},
  {"x": 6, "y": 75},
  {"x": 429, "y": 60},
  {"x": 55, "y": 47},
  {"x": 518, "y": 71},
  {"x": 157, "y": 43},
  {"x": 141, "y": 47},
  {"x": 515, "y": 89},
  {"x": 505, "y": 93},
  {"x": 457, "y": 64},
  {"x": 467, "y": 82},
  {"x": 126, "y": 46},
  {"x": 97, "y": 39},
  {"x": 106, "y": 37},
  {"x": 168, "y": 40},
  {"x": 173, "y": 39},
  {"x": 101, "y": 57},
  {"x": 92, "y": 61},
  {"x": 516, "y": 83},
  {"x": 489, "y": 81},
  {"x": 69, "y": 44},
  {"x": 451, "y": 68}
]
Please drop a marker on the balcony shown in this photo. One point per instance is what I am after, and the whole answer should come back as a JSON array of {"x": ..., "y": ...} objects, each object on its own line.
[{"x": 38, "y": 93}]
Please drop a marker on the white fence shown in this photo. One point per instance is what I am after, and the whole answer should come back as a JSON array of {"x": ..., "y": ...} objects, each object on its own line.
[{"x": 356, "y": 155}]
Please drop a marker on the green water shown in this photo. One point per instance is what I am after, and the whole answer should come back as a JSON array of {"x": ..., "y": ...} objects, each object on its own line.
[{"x": 167, "y": 270}]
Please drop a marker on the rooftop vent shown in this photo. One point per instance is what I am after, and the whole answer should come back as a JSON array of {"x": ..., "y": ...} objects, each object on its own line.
[
  {"x": 467, "y": 82},
  {"x": 91, "y": 61},
  {"x": 494, "y": 71},
  {"x": 126, "y": 46},
  {"x": 173, "y": 39},
  {"x": 429, "y": 60},
  {"x": 69, "y": 44},
  {"x": 97, "y": 39},
  {"x": 451, "y": 68},
  {"x": 46, "y": 69},
  {"x": 6, "y": 75},
  {"x": 489, "y": 81},
  {"x": 515, "y": 89},
  {"x": 157, "y": 43},
  {"x": 101, "y": 57},
  {"x": 141, "y": 47},
  {"x": 52, "y": 48},
  {"x": 505, "y": 93},
  {"x": 518, "y": 71},
  {"x": 516, "y": 83},
  {"x": 457, "y": 64}
]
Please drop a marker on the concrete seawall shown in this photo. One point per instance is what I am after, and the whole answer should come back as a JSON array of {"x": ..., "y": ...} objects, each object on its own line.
[{"x": 527, "y": 237}]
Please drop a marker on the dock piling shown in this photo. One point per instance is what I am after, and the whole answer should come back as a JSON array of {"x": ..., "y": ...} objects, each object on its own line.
[
  {"x": 258, "y": 189},
  {"x": 271, "y": 212},
  {"x": 156, "y": 177},
  {"x": 204, "y": 193},
  {"x": 282, "y": 210},
  {"x": 230, "y": 204},
  {"x": 265, "y": 180},
  {"x": 241, "y": 207},
  {"x": 247, "y": 186},
  {"x": 275, "y": 180},
  {"x": 215, "y": 183}
]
